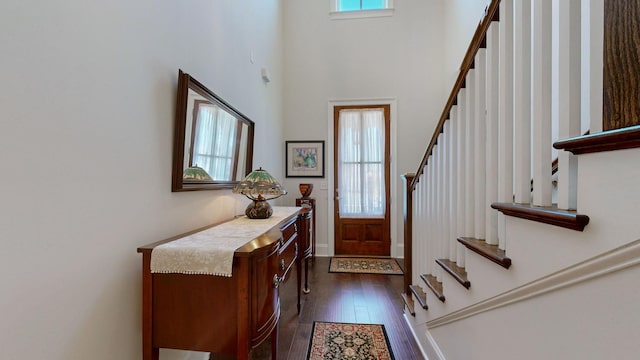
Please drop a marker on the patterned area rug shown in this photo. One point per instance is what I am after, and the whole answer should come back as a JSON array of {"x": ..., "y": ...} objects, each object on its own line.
[
  {"x": 349, "y": 342},
  {"x": 357, "y": 265}
]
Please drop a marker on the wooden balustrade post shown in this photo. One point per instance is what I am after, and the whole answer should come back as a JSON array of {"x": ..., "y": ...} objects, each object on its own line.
[
  {"x": 621, "y": 48},
  {"x": 408, "y": 228}
]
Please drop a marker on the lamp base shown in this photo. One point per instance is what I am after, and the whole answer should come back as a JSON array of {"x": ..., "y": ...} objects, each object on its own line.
[{"x": 259, "y": 209}]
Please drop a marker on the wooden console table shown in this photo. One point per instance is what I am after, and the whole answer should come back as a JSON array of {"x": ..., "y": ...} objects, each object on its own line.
[{"x": 218, "y": 314}]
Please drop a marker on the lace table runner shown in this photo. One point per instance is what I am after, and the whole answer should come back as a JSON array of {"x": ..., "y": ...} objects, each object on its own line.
[{"x": 210, "y": 252}]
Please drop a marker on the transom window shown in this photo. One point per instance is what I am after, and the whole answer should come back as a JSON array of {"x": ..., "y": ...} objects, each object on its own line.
[
  {"x": 355, "y": 5},
  {"x": 353, "y": 9}
]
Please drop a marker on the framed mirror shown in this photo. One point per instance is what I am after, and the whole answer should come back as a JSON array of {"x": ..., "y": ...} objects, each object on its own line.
[{"x": 213, "y": 142}]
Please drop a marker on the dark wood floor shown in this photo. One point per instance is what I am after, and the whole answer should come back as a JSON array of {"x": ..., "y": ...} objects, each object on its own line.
[{"x": 351, "y": 298}]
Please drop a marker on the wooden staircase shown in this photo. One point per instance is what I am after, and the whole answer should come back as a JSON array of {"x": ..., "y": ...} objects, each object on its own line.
[{"x": 462, "y": 208}]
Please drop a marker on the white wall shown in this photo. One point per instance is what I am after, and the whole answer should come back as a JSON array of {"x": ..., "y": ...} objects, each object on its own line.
[
  {"x": 397, "y": 57},
  {"x": 86, "y": 134},
  {"x": 591, "y": 320},
  {"x": 461, "y": 18}
]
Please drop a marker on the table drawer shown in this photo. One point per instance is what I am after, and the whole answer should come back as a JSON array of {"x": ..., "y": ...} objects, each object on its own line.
[{"x": 288, "y": 250}]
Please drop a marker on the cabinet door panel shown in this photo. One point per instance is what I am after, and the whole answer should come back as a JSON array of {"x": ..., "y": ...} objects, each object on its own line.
[{"x": 264, "y": 299}]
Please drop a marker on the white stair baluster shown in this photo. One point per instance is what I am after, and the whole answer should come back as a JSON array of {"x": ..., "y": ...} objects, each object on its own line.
[
  {"x": 417, "y": 256},
  {"x": 453, "y": 182},
  {"x": 461, "y": 173},
  {"x": 592, "y": 44},
  {"x": 541, "y": 101},
  {"x": 433, "y": 217},
  {"x": 505, "y": 114},
  {"x": 480, "y": 157},
  {"x": 438, "y": 201},
  {"x": 444, "y": 178},
  {"x": 436, "y": 204},
  {"x": 565, "y": 93},
  {"x": 469, "y": 157},
  {"x": 522, "y": 101},
  {"x": 417, "y": 237},
  {"x": 426, "y": 259},
  {"x": 461, "y": 151},
  {"x": 493, "y": 66}
]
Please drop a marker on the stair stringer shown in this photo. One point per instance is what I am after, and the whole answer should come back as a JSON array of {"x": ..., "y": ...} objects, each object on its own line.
[
  {"x": 609, "y": 193},
  {"x": 426, "y": 343}
]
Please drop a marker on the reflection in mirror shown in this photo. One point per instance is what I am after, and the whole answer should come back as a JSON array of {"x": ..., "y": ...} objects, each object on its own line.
[{"x": 213, "y": 141}]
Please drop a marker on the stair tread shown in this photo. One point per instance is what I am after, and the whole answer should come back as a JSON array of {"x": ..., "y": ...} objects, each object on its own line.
[
  {"x": 408, "y": 301},
  {"x": 547, "y": 214},
  {"x": 491, "y": 252},
  {"x": 420, "y": 295},
  {"x": 458, "y": 273},
  {"x": 433, "y": 284}
]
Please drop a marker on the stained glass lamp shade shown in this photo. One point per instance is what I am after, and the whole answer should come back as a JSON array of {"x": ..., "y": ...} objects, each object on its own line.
[{"x": 259, "y": 186}]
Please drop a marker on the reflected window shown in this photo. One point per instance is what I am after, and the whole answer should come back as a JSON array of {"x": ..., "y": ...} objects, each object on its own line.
[{"x": 215, "y": 142}]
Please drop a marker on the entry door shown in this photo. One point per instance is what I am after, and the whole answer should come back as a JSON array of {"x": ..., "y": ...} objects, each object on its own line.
[{"x": 361, "y": 161}]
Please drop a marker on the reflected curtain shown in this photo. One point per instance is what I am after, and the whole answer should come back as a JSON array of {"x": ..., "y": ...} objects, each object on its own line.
[{"x": 214, "y": 144}]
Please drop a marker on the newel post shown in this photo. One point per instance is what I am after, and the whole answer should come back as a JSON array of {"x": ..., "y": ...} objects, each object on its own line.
[
  {"x": 621, "y": 47},
  {"x": 408, "y": 230}
]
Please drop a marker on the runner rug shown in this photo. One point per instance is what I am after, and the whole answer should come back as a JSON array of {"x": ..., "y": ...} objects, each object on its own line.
[
  {"x": 387, "y": 266},
  {"x": 349, "y": 341}
]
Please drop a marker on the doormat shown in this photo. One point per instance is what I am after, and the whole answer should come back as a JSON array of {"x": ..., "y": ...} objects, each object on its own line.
[
  {"x": 357, "y": 265},
  {"x": 349, "y": 341}
]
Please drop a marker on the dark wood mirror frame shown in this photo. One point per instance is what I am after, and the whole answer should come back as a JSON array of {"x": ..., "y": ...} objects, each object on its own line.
[{"x": 185, "y": 126}]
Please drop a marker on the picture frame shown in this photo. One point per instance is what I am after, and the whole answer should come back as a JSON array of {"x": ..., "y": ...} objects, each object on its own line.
[{"x": 304, "y": 159}]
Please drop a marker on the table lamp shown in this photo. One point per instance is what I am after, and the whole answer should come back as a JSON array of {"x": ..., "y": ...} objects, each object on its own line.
[{"x": 259, "y": 186}]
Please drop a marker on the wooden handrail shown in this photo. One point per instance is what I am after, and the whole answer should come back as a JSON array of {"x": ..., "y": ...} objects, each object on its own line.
[
  {"x": 477, "y": 42},
  {"x": 619, "y": 139}
]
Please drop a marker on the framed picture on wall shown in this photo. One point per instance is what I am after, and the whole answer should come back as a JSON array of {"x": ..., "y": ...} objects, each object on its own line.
[{"x": 305, "y": 159}]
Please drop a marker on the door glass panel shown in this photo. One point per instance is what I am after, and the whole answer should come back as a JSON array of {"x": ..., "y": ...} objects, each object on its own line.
[{"x": 361, "y": 162}]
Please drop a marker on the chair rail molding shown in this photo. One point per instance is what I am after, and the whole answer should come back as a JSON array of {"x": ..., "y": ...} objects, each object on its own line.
[{"x": 617, "y": 259}]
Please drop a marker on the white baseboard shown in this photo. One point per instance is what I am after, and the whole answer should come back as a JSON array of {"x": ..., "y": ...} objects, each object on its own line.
[
  {"x": 322, "y": 250},
  {"x": 399, "y": 253},
  {"x": 427, "y": 344},
  {"x": 434, "y": 349},
  {"x": 420, "y": 341}
]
